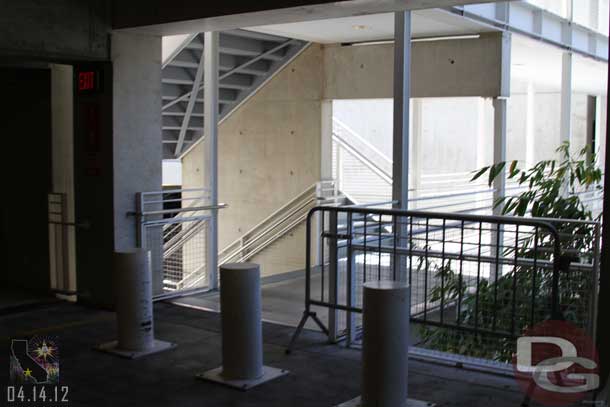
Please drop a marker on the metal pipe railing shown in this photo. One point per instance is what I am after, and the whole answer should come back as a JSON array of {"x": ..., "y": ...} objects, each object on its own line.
[{"x": 418, "y": 245}]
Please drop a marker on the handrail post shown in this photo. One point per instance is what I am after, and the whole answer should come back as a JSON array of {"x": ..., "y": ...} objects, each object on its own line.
[
  {"x": 333, "y": 270},
  {"x": 139, "y": 220}
]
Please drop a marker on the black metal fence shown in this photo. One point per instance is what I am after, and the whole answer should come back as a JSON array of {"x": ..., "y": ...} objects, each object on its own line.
[{"x": 476, "y": 281}]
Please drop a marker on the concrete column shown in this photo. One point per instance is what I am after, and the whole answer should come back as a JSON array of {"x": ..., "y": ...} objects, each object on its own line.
[
  {"x": 210, "y": 86},
  {"x": 136, "y": 94},
  {"x": 402, "y": 93},
  {"x": 242, "y": 336},
  {"x": 133, "y": 294},
  {"x": 385, "y": 346}
]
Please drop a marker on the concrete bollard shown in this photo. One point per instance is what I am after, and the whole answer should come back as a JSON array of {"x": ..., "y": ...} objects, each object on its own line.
[
  {"x": 133, "y": 302},
  {"x": 386, "y": 312},
  {"x": 242, "y": 336}
]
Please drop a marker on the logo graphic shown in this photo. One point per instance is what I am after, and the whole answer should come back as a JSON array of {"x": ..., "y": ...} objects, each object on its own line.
[
  {"x": 34, "y": 361},
  {"x": 556, "y": 363}
]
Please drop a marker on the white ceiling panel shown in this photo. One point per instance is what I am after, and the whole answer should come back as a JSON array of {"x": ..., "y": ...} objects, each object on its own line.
[{"x": 425, "y": 23}]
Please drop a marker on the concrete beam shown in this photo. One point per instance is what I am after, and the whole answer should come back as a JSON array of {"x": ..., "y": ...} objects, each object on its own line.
[
  {"x": 452, "y": 68},
  {"x": 162, "y": 17},
  {"x": 59, "y": 30}
]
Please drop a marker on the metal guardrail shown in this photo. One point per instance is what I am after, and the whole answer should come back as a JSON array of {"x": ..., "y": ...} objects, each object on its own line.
[
  {"x": 176, "y": 237},
  {"x": 482, "y": 278},
  {"x": 279, "y": 223}
]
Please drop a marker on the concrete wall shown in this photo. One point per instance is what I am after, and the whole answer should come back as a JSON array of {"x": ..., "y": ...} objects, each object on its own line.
[
  {"x": 270, "y": 147},
  {"x": 59, "y": 29},
  {"x": 453, "y": 68},
  {"x": 269, "y": 152}
]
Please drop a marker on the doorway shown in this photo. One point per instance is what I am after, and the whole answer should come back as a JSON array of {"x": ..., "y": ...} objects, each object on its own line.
[{"x": 25, "y": 128}]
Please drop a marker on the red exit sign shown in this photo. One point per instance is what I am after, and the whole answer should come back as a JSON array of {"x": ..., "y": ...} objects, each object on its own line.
[{"x": 87, "y": 81}]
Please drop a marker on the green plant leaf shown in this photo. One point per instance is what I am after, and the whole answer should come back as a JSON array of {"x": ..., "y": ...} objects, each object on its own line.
[{"x": 479, "y": 173}]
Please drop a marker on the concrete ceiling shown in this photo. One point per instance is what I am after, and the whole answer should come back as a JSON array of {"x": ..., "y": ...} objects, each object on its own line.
[{"x": 425, "y": 23}]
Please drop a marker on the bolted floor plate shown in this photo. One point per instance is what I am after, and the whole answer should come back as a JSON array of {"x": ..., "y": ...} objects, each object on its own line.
[
  {"x": 410, "y": 403},
  {"x": 269, "y": 373},
  {"x": 158, "y": 346}
]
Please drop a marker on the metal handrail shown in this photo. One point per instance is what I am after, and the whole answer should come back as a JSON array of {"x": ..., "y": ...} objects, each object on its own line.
[
  {"x": 310, "y": 190},
  {"x": 269, "y": 225},
  {"x": 267, "y": 230},
  {"x": 363, "y": 140},
  {"x": 179, "y": 210},
  {"x": 363, "y": 159}
]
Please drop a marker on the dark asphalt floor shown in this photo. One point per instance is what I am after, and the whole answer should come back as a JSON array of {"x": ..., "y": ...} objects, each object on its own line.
[{"x": 321, "y": 374}]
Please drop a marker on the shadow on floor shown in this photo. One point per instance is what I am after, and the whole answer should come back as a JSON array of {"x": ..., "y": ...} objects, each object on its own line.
[{"x": 321, "y": 374}]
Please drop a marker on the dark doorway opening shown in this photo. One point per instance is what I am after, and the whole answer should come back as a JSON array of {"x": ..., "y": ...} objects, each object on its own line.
[{"x": 25, "y": 129}]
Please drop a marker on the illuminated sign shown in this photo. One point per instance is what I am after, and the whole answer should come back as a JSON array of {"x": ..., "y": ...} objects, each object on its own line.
[{"x": 88, "y": 81}]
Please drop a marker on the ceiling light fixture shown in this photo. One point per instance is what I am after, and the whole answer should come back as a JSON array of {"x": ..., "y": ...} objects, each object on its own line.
[
  {"x": 420, "y": 39},
  {"x": 360, "y": 27}
]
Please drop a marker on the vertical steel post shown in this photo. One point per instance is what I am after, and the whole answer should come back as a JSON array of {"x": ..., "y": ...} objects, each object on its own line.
[
  {"x": 210, "y": 86},
  {"x": 140, "y": 240},
  {"x": 417, "y": 147},
  {"x": 400, "y": 149},
  {"x": 565, "y": 128},
  {"x": 603, "y": 302},
  {"x": 402, "y": 93},
  {"x": 333, "y": 278},
  {"x": 497, "y": 235}
]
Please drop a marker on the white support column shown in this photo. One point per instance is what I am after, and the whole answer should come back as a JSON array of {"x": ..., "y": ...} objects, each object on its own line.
[
  {"x": 499, "y": 185},
  {"x": 417, "y": 147},
  {"x": 594, "y": 14},
  {"x": 326, "y": 142},
  {"x": 400, "y": 149},
  {"x": 565, "y": 128},
  {"x": 402, "y": 92},
  {"x": 210, "y": 83},
  {"x": 136, "y": 127},
  {"x": 326, "y": 169},
  {"x": 599, "y": 135},
  {"x": 499, "y": 105},
  {"x": 530, "y": 138}
]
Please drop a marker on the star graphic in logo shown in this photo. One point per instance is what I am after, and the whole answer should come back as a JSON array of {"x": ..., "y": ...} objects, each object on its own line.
[{"x": 27, "y": 373}]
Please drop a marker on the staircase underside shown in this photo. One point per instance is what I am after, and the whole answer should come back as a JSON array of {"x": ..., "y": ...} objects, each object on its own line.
[{"x": 247, "y": 60}]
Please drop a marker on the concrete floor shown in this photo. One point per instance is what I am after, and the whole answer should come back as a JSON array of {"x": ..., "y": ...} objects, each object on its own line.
[
  {"x": 14, "y": 299},
  {"x": 283, "y": 299},
  {"x": 321, "y": 374}
]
